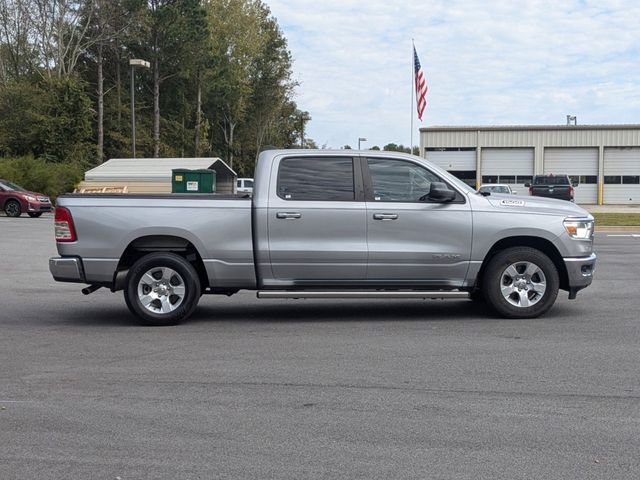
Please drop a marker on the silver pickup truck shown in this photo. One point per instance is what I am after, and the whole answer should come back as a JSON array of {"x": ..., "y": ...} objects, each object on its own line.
[{"x": 327, "y": 224}]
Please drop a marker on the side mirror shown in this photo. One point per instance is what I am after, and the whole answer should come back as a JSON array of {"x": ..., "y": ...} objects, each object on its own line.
[
  {"x": 514, "y": 192},
  {"x": 440, "y": 192},
  {"x": 575, "y": 184},
  {"x": 527, "y": 185}
]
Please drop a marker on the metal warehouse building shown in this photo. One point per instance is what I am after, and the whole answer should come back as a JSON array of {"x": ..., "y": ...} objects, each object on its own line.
[{"x": 604, "y": 159}]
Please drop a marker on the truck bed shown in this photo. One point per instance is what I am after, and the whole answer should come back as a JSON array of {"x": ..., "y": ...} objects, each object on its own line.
[
  {"x": 218, "y": 226},
  {"x": 177, "y": 196}
]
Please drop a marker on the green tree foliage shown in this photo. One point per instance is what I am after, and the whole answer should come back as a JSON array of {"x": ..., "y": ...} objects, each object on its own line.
[
  {"x": 393, "y": 147},
  {"x": 41, "y": 176},
  {"x": 220, "y": 82},
  {"x": 50, "y": 118},
  {"x": 249, "y": 86}
]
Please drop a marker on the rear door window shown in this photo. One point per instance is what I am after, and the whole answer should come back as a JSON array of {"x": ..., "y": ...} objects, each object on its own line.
[{"x": 316, "y": 179}]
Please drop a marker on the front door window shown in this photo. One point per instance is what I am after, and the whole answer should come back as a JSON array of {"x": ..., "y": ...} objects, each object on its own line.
[{"x": 399, "y": 181}]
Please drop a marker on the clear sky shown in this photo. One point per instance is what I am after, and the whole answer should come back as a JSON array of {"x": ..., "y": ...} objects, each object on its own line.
[{"x": 486, "y": 62}]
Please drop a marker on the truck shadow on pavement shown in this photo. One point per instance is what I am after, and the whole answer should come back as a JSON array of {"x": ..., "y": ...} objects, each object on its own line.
[
  {"x": 300, "y": 311},
  {"x": 344, "y": 311}
]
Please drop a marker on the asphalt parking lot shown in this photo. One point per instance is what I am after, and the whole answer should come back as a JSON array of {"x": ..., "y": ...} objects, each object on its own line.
[{"x": 309, "y": 389}]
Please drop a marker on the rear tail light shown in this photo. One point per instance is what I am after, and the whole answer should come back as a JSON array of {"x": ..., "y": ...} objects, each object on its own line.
[
  {"x": 64, "y": 228},
  {"x": 571, "y": 191},
  {"x": 530, "y": 190}
]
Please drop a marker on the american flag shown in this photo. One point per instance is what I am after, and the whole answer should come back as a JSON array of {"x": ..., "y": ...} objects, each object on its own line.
[{"x": 421, "y": 84}]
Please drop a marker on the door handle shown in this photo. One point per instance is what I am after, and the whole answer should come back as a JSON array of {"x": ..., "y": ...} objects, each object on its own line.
[
  {"x": 288, "y": 215},
  {"x": 385, "y": 216}
]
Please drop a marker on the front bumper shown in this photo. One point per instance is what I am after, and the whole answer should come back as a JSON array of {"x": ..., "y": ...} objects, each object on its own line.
[
  {"x": 67, "y": 269},
  {"x": 38, "y": 207},
  {"x": 580, "y": 272}
]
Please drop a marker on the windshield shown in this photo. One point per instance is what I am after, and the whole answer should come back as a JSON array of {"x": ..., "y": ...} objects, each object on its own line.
[
  {"x": 552, "y": 180},
  {"x": 495, "y": 189},
  {"x": 460, "y": 184},
  {"x": 451, "y": 179},
  {"x": 11, "y": 186}
]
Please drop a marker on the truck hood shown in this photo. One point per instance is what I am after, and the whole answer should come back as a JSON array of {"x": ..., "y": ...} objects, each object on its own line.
[{"x": 539, "y": 205}]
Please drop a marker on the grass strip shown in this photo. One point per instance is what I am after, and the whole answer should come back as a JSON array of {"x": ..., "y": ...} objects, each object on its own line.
[{"x": 617, "y": 219}]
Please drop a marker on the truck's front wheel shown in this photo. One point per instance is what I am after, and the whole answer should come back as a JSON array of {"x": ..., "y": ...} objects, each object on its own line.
[
  {"x": 162, "y": 289},
  {"x": 521, "y": 282}
]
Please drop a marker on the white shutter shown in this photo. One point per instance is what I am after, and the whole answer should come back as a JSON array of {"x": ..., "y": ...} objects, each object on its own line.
[
  {"x": 454, "y": 160},
  {"x": 503, "y": 162},
  {"x": 621, "y": 162},
  {"x": 575, "y": 162}
]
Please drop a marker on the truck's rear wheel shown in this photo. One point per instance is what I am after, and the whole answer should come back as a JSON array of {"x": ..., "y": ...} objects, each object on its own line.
[
  {"x": 521, "y": 282},
  {"x": 162, "y": 289}
]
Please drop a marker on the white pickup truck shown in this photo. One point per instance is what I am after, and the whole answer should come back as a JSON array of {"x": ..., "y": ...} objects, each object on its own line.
[{"x": 327, "y": 224}]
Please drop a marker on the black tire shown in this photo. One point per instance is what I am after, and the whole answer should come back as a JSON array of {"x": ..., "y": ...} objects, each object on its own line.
[
  {"x": 12, "y": 208},
  {"x": 35, "y": 214},
  {"x": 186, "y": 277},
  {"x": 477, "y": 296},
  {"x": 496, "y": 277}
]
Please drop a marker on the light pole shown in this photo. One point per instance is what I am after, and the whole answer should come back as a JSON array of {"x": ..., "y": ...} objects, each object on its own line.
[
  {"x": 361, "y": 139},
  {"x": 304, "y": 117},
  {"x": 135, "y": 62}
]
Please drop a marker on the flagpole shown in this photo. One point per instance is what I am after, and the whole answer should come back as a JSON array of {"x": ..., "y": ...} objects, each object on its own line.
[{"x": 413, "y": 84}]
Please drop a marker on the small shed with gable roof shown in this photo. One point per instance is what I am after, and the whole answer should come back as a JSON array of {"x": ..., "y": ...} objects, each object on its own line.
[{"x": 152, "y": 175}]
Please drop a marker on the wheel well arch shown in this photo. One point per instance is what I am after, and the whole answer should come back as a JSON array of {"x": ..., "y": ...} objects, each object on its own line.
[
  {"x": 144, "y": 245},
  {"x": 17, "y": 199},
  {"x": 539, "y": 243}
]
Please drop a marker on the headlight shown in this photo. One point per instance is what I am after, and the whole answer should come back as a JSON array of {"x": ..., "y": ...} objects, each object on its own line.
[
  {"x": 30, "y": 198},
  {"x": 580, "y": 229}
]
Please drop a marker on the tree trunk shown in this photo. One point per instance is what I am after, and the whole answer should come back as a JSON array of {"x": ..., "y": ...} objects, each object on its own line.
[
  {"x": 118, "y": 85},
  {"x": 228, "y": 136},
  {"x": 232, "y": 127},
  {"x": 196, "y": 148},
  {"x": 156, "y": 107},
  {"x": 100, "y": 107},
  {"x": 183, "y": 140}
]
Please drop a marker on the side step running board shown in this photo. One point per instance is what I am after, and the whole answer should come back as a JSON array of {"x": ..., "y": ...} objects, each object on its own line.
[{"x": 362, "y": 294}]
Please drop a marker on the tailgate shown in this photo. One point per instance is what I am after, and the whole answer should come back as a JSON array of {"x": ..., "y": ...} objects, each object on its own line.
[{"x": 552, "y": 191}]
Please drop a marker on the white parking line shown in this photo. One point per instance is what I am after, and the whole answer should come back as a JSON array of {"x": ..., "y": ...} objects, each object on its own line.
[{"x": 634, "y": 235}]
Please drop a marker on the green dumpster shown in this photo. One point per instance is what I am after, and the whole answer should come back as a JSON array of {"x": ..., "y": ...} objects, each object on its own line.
[{"x": 193, "y": 181}]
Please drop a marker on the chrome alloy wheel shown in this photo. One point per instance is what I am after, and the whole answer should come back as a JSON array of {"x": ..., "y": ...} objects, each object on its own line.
[
  {"x": 161, "y": 290},
  {"x": 523, "y": 284}
]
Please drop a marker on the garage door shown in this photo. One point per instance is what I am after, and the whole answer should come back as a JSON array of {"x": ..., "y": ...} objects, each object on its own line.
[
  {"x": 460, "y": 162},
  {"x": 581, "y": 164},
  {"x": 621, "y": 175},
  {"x": 508, "y": 165}
]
